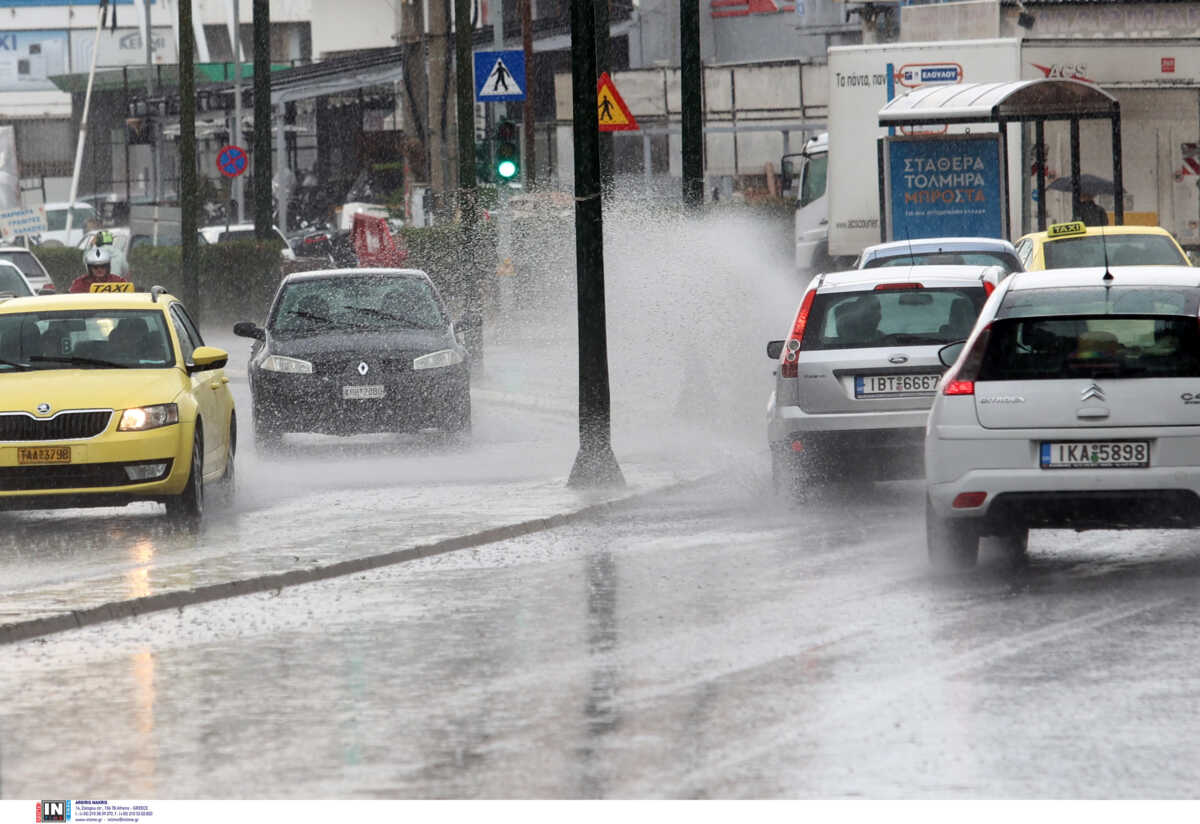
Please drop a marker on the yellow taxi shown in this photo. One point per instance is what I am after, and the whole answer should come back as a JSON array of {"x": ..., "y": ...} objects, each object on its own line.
[
  {"x": 1068, "y": 245},
  {"x": 108, "y": 398}
]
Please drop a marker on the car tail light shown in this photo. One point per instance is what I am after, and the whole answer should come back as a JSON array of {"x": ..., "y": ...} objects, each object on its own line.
[
  {"x": 962, "y": 380},
  {"x": 887, "y": 287},
  {"x": 969, "y": 500},
  {"x": 791, "y": 347},
  {"x": 988, "y": 288}
]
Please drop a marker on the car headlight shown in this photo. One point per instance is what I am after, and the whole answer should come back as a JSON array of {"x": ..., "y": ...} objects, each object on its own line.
[
  {"x": 294, "y": 366},
  {"x": 436, "y": 360},
  {"x": 141, "y": 418}
]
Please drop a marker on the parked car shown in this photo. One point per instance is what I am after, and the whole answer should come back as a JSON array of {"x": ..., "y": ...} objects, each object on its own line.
[
  {"x": 222, "y": 233},
  {"x": 346, "y": 351}
]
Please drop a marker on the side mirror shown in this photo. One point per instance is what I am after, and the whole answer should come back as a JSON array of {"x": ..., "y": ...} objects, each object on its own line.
[
  {"x": 246, "y": 329},
  {"x": 774, "y": 349},
  {"x": 208, "y": 357},
  {"x": 949, "y": 354}
]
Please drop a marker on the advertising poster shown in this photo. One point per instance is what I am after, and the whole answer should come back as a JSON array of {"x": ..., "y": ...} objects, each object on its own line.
[
  {"x": 948, "y": 185},
  {"x": 29, "y": 58},
  {"x": 121, "y": 47}
]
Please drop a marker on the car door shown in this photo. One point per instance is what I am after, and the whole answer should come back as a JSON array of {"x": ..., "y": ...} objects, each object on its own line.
[{"x": 210, "y": 388}]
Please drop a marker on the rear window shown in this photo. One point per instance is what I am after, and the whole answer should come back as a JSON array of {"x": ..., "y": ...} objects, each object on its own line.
[
  {"x": 856, "y": 320},
  {"x": 26, "y": 262},
  {"x": 1102, "y": 346},
  {"x": 1123, "y": 250},
  {"x": 12, "y": 283},
  {"x": 1099, "y": 300},
  {"x": 1007, "y": 261}
]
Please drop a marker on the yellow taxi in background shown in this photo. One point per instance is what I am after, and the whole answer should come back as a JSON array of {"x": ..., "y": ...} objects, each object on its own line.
[
  {"x": 1069, "y": 245},
  {"x": 108, "y": 398}
]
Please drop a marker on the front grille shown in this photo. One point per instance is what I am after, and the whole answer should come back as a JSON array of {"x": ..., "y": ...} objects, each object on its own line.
[
  {"x": 69, "y": 476},
  {"x": 21, "y": 426},
  {"x": 341, "y": 363}
]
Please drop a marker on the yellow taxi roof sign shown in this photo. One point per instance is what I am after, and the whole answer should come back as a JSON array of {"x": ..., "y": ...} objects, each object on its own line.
[
  {"x": 1075, "y": 227},
  {"x": 113, "y": 286}
]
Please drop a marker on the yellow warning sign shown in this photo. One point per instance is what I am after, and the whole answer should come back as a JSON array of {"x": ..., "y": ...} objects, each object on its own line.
[{"x": 613, "y": 114}]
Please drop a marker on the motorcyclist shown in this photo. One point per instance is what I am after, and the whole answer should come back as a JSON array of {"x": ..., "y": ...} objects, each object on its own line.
[
  {"x": 104, "y": 239},
  {"x": 98, "y": 263}
]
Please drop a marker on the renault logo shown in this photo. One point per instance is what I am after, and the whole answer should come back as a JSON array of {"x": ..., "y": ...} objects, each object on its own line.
[
  {"x": 1091, "y": 391},
  {"x": 43, "y": 408},
  {"x": 363, "y": 369}
]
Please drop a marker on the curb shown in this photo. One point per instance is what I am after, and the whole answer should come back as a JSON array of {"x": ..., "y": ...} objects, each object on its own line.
[{"x": 117, "y": 610}]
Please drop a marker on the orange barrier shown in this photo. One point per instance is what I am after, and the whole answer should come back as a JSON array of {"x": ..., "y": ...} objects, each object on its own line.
[{"x": 374, "y": 244}]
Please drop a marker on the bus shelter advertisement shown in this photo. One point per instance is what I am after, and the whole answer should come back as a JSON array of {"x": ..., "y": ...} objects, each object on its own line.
[{"x": 944, "y": 186}]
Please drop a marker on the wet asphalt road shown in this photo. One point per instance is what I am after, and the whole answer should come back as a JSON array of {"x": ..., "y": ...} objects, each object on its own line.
[{"x": 709, "y": 644}]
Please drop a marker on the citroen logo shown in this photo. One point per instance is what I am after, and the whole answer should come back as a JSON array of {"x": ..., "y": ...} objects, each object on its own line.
[
  {"x": 898, "y": 359},
  {"x": 43, "y": 408},
  {"x": 363, "y": 369},
  {"x": 1091, "y": 391}
]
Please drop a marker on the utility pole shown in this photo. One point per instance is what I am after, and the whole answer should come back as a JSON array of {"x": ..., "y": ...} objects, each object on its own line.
[
  {"x": 529, "y": 165},
  {"x": 595, "y": 465},
  {"x": 464, "y": 84},
  {"x": 262, "y": 120},
  {"x": 691, "y": 78},
  {"x": 235, "y": 134},
  {"x": 157, "y": 128},
  {"x": 602, "y": 65},
  {"x": 187, "y": 159}
]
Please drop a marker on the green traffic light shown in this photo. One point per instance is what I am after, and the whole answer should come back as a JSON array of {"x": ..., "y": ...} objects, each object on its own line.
[{"x": 506, "y": 169}]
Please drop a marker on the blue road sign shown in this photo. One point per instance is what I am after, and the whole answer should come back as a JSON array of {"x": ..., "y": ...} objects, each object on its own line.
[
  {"x": 231, "y": 161},
  {"x": 499, "y": 76}
]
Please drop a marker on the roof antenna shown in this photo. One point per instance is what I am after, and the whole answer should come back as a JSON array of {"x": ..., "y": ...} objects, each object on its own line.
[
  {"x": 912, "y": 259},
  {"x": 1108, "y": 276}
]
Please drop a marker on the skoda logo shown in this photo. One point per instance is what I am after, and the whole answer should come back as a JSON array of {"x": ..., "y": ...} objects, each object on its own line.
[
  {"x": 43, "y": 408},
  {"x": 1091, "y": 391},
  {"x": 898, "y": 359},
  {"x": 363, "y": 369}
]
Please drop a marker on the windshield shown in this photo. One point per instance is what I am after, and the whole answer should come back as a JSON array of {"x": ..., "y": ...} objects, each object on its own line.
[
  {"x": 812, "y": 178},
  {"x": 84, "y": 339},
  {"x": 56, "y": 219},
  {"x": 855, "y": 320},
  {"x": 12, "y": 283},
  {"x": 378, "y": 303},
  {"x": 1123, "y": 250},
  {"x": 1101, "y": 346},
  {"x": 1007, "y": 261}
]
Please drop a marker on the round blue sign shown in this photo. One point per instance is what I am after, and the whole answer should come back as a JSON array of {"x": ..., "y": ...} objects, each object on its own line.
[{"x": 232, "y": 161}]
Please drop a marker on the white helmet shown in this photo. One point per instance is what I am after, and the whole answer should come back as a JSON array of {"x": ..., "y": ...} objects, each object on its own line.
[{"x": 97, "y": 256}]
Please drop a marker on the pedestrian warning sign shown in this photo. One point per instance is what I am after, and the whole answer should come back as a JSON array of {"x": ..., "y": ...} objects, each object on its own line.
[
  {"x": 499, "y": 76},
  {"x": 613, "y": 114}
]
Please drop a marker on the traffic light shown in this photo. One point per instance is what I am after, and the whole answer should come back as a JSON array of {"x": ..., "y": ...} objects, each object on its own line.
[{"x": 508, "y": 154}]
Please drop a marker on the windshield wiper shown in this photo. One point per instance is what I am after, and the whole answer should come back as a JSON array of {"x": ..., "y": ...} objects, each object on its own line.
[
  {"x": 16, "y": 364},
  {"x": 380, "y": 313},
  {"x": 78, "y": 361},
  {"x": 309, "y": 316}
]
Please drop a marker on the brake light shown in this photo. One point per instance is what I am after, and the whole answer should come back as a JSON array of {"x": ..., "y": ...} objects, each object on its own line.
[
  {"x": 791, "y": 346},
  {"x": 887, "y": 287},
  {"x": 962, "y": 381},
  {"x": 969, "y": 500},
  {"x": 988, "y": 288}
]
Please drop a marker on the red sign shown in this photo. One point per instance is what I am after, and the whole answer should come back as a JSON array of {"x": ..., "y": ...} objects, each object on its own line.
[
  {"x": 1168, "y": 65},
  {"x": 745, "y": 8},
  {"x": 612, "y": 113},
  {"x": 232, "y": 161}
]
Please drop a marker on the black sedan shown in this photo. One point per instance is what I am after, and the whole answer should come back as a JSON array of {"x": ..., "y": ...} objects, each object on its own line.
[{"x": 350, "y": 351}]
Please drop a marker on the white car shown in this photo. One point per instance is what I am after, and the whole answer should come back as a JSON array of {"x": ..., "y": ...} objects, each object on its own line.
[
  {"x": 1074, "y": 403},
  {"x": 981, "y": 251},
  {"x": 243, "y": 231},
  {"x": 13, "y": 284},
  {"x": 30, "y": 266},
  {"x": 857, "y": 372}
]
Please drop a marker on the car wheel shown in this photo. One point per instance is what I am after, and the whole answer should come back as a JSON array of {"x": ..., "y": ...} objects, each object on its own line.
[
  {"x": 1015, "y": 543},
  {"x": 952, "y": 545},
  {"x": 229, "y": 476},
  {"x": 188, "y": 505}
]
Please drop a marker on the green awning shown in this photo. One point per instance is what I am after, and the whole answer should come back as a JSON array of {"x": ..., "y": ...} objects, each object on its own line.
[{"x": 167, "y": 74}]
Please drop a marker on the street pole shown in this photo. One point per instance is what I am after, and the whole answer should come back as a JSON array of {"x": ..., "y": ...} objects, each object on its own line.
[
  {"x": 691, "y": 78},
  {"x": 529, "y": 164},
  {"x": 602, "y": 65},
  {"x": 262, "y": 120},
  {"x": 187, "y": 159},
  {"x": 235, "y": 135},
  {"x": 464, "y": 84},
  {"x": 595, "y": 465}
]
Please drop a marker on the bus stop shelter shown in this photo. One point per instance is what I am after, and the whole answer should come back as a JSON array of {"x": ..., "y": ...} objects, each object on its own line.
[{"x": 1020, "y": 101}]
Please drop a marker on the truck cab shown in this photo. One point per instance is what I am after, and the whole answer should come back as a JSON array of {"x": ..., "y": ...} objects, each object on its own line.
[{"x": 806, "y": 173}]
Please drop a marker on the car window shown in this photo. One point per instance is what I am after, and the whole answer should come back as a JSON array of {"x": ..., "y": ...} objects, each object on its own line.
[
  {"x": 11, "y": 282},
  {"x": 978, "y": 258},
  {"x": 1024, "y": 251},
  {"x": 189, "y": 335},
  {"x": 84, "y": 339},
  {"x": 56, "y": 219},
  {"x": 1097, "y": 300},
  {"x": 853, "y": 320},
  {"x": 813, "y": 178},
  {"x": 1097, "y": 346},
  {"x": 26, "y": 262},
  {"x": 367, "y": 303},
  {"x": 1122, "y": 250}
]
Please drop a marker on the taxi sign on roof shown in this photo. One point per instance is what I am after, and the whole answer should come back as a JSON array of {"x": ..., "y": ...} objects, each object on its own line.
[
  {"x": 115, "y": 286},
  {"x": 1075, "y": 227}
]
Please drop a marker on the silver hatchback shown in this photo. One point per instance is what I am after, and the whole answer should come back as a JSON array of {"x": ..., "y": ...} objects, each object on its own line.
[
  {"x": 1074, "y": 403},
  {"x": 858, "y": 370}
]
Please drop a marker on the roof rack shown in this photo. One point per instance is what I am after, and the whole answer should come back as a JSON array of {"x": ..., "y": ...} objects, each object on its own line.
[{"x": 155, "y": 291}]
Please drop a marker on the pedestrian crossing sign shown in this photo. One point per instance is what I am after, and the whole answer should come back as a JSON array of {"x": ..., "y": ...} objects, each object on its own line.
[
  {"x": 499, "y": 76},
  {"x": 613, "y": 114}
]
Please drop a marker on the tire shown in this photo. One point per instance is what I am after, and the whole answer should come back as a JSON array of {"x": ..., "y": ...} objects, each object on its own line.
[
  {"x": 953, "y": 545},
  {"x": 188, "y": 505},
  {"x": 1015, "y": 543},
  {"x": 229, "y": 476}
]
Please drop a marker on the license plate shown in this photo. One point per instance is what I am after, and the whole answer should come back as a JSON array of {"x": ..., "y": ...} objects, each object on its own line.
[
  {"x": 1094, "y": 454},
  {"x": 866, "y": 386},
  {"x": 43, "y": 454},
  {"x": 362, "y": 393}
]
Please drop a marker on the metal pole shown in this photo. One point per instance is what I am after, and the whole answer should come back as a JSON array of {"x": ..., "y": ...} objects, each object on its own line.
[
  {"x": 156, "y": 192},
  {"x": 603, "y": 65},
  {"x": 87, "y": 102},
  {"x": 690, "y": 101},
  {"x": 1075, "y": 168},
  {"x": 262, "y": 119},
  {"x": 1039, "y": 127},
  {"x": 595, "y": 465},
  {"x": 187, "y": 160},
  {"x": 529, "y": 164},
  {"x": 464, "y": 87},
  {"x": 235, "y": 136},
  {"x": 1118, "y": 171}
]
